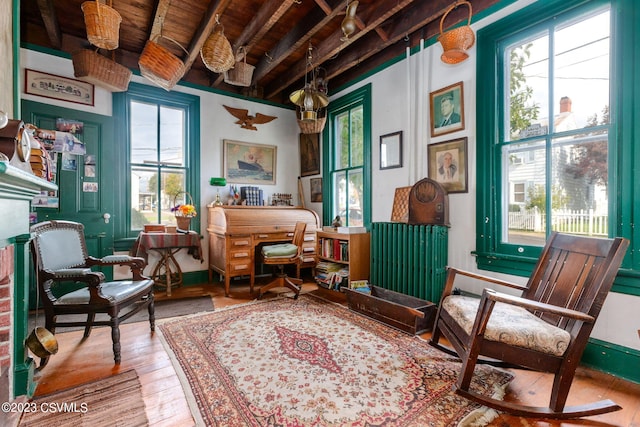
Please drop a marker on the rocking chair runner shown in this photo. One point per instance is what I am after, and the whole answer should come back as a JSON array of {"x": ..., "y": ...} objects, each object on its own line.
[
  {"x": 545, "y": 329},
  {"x": 59, "y": 255},
  {"x": 281, "y": 255}
]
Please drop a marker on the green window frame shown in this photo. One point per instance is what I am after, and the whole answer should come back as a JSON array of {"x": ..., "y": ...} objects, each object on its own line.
[
  {"x": 162, "y": 102},
  {"x": 492, "y": 253},
  {"x": 347, "y": 154}
]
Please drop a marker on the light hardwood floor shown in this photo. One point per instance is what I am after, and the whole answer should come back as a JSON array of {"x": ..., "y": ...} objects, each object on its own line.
[{"x": 79, "y": 362}]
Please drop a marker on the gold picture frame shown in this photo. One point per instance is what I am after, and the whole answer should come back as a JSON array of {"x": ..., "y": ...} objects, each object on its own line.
[
  {"x": 248, "y": 163},
  {"x": 447, "y": 109},
  {"x": 448, "y": 164}
]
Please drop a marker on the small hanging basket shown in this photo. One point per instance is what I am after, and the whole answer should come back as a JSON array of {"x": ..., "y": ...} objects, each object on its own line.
[
  {"x": 241, "y": 73},
  {"x": 103, "y": 24},
  {"x": 90, "y": 66},
  {"x": 159, "y": 65},
  {"x": 457, "y": 41},
  {"x": 312, "y": 126},
  {"x": 216, "y": 52}
]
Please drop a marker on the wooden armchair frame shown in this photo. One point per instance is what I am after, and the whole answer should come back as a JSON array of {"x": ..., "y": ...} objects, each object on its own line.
[
  {"x": 282, "y": 279},
  {"x": 566, "y": 290},
  {"x": 60, "y": 254}
]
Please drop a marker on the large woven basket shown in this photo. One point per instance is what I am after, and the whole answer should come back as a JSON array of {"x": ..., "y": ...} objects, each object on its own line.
[
  {"x": 94, "y": 68},
  {"x": 457, "y": 41},
  {"x": 216, "y": 52},
  {"x": 241, "y": 73},
  {"x": 160, "y": 66},
  {"x": 103, "y": 24}
]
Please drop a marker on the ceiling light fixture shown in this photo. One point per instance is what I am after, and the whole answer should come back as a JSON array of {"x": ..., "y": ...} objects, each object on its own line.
[
  {"x": 309, "y": 98},
  {"x": 349, "y": 22}
]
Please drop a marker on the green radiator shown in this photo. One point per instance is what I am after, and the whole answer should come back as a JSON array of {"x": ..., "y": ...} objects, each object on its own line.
[{"x": 410, "y": 259}]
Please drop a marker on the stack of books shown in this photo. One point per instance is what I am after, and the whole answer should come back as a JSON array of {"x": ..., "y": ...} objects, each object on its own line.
[
  {"x": 330, "y": 275},
  {"x": 251, "y": 196}
]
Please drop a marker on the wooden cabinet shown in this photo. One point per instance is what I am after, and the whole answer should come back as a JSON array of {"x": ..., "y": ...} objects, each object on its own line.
[
  {"x": 236, "y": 234},
  {"x": 352, "y": 251}
]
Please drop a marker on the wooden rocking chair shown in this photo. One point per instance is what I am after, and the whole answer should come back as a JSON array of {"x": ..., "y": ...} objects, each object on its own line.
[{"x": 545, "y": 329}]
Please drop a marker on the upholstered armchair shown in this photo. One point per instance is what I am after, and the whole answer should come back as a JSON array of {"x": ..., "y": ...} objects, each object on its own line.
[{"x": 60, "y": 255}]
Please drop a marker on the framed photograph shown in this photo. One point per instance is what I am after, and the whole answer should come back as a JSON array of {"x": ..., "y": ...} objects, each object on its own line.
[
  {"x": 316, "y": 189},
  {"x": 309, "y": 154},
  {"x": 58, "y": 87},
  {"x": 447, "y": 110},
  {"x": 247, "y": 163},
  {"x": 448, "y": 164},
  {"x": 391, "y": 150}
]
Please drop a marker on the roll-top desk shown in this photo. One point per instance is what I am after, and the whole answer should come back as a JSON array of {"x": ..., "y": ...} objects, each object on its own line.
[{"x": 236, "y": 233}]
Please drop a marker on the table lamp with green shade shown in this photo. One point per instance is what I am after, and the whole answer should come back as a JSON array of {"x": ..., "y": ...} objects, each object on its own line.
[{"x": 218, "y": 182}]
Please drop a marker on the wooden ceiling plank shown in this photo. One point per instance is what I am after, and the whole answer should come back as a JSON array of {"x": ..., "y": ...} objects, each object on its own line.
[
  {"x": 162, "y": 7},
  {"x": 298, "y": 36},
  {"x": 48, "y": 13},
  {"x": 333, "y": 45}
]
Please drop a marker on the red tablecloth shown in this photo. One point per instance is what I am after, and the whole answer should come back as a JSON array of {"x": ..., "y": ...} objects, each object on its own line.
[{"x": 147, "y": 241}]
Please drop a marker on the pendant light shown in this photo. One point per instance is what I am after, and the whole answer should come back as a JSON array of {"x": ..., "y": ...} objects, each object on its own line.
[
  {"x": 349, "y": 22},
  {"x": 309, "y": 98}
]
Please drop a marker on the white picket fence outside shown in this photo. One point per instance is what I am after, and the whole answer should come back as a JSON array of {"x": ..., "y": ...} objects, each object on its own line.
[{"x": 584, "y": 222}]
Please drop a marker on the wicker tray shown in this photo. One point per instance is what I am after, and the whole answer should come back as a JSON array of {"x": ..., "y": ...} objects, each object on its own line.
[
  {"x": 94, "y": 68},
  {"x": 160, "y": 66}
]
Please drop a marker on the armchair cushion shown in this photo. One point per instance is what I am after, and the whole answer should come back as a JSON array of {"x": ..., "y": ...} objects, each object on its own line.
[
  {"x": 60, "y": 249},
  {"x": 114, "y": 291},
  {"x": 510, "y": 325},
  {"x": 282, "y": 250}
]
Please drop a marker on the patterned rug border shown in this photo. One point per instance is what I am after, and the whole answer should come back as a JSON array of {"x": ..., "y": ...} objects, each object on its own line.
[{"x": 481, "y": 416}]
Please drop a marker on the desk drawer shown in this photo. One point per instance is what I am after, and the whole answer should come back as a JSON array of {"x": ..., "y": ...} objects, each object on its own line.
[
  {"x": 239, "y": 267},
  {"x": 239, "y": 254},
  {"x": 239, "y": 242},
  {"x": 273, "y": 237}
]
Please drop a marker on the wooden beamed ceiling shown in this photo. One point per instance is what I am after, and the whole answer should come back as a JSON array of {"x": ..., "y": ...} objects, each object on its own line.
[{"x": 276, "y": 34}]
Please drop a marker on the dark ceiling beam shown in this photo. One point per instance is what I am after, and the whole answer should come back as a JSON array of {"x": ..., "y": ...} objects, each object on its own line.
[
  {"x": 48, "y": 13},
  {"x": 331, "y": 47},
  {"x": 299, "y": 35},
  {"x": 265, "y": 19}
]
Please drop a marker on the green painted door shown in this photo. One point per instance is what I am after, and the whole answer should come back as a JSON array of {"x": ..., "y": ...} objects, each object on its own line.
[{"x": 78, "y": 199}]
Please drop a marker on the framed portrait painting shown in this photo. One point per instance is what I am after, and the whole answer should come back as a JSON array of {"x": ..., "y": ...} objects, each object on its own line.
[
  {"x": 309, "y": 154},
  {"x": 448, "y": 165},
  {"x": 316, "y": 189},
  {"x": 447, "y": 110},
  {"x": 247, "y": 163}
]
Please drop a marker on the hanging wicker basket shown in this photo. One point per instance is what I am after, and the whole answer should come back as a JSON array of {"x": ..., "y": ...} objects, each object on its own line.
[
  {"x": 94, "y": 68},
  {"x": 312, "y": 126},
  {"x": 159, "y": 65},
  {"x": 103, "y": 24},
  {"x": 241, "y": 73},
  {"x": 457, "y": 41},
  {"x": 216, "y": 52}
]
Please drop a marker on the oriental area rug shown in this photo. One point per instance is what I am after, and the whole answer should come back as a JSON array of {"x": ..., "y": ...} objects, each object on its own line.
[
  {"x": 113, "y": 401},
  {"x": 310, "y": 362}
]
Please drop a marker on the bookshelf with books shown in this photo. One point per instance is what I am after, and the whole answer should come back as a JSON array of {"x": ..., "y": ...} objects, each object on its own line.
[{"x": 342, "y": 256}]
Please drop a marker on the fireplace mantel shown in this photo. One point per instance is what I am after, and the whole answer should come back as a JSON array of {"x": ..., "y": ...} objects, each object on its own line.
[{"x": 17, "y": 189}]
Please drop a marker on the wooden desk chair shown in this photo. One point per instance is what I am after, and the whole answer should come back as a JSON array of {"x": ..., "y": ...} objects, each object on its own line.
[
  {"x": 60, "y": 255},
  {"x": 285, "y": 254},
  {"x": 545, "y": 329}
]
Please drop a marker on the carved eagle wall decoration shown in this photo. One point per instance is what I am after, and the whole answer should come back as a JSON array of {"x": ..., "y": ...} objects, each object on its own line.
[{"x": 246, "y": 121}]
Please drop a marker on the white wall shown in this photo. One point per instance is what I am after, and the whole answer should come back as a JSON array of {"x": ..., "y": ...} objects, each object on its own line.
[{"x": 400, "y": 98}]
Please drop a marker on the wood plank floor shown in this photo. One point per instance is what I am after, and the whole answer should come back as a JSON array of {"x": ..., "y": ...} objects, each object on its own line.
[{"x": 79, "y": 362}]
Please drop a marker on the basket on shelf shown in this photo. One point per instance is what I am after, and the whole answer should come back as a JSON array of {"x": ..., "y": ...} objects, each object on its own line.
[
  {"x": 456, "y": 41},
  {"x": 184, "y": 212},
  {"x": 241, "y": 73},
  {"x": 92, "y": 67},
  {"x": 312, "y": 126},
  {"x": 159, "y": 65},
  {"x": 216, "y": 52},
  {"x": 103, "y": 24}
]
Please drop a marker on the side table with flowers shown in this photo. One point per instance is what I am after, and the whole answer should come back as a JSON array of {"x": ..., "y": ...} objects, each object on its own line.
[{"x": 184, "y": 212}]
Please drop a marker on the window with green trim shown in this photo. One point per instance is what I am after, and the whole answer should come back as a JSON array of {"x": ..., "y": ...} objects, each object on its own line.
[
  {"x": 546, "y": 142},
  {"x": 348, "y": 150},
  {"x": 162, "y": 167}
]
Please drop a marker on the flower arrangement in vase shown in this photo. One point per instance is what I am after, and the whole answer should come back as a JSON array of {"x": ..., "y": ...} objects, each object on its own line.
[{"x": 184, "y": 213}]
